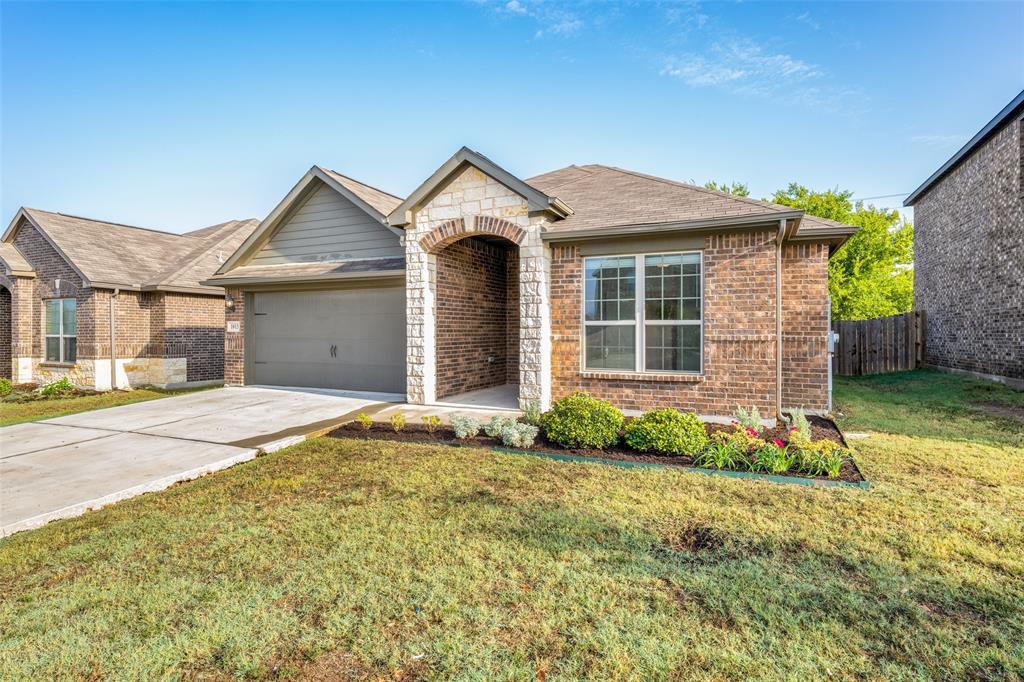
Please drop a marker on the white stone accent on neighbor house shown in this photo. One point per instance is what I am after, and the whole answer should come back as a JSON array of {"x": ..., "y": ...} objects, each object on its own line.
[
  {"x": 469, "y": 194},
  {"x": 95, "y": 373}
]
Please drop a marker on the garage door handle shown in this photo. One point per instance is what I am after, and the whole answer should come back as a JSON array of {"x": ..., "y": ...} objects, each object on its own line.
[{"x": 334, "y": 351}]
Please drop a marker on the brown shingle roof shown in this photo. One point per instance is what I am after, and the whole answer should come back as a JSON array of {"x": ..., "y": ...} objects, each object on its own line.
[
  {"x": 379, "y": 199},
  {"x": 12, "y": 260},
  {"x": 314, "y": 270},
  {"x": 123, "y": 255},
  {"x": 605, "y": 196}
]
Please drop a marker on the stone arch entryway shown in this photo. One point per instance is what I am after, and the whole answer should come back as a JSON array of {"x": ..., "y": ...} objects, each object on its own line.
[{"x": 476, "y": 307}]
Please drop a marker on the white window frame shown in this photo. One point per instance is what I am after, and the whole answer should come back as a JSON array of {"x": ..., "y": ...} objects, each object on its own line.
[
  {"x": 640, "y": 318},
  {"x": 60, "y": 335}
]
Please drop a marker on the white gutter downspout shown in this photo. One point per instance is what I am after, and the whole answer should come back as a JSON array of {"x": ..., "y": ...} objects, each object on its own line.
[
  {"x": 778, "y": 320},
  {"x": 113, "y": 340}
]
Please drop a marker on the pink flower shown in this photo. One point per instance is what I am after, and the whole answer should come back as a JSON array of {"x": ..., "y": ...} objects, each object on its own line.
[
  {"x": 751, "y": 432},
  {"x": 792, "y": 428},
  {"x": 735, "y": 422},
  {"x": 779, "y": 443}
]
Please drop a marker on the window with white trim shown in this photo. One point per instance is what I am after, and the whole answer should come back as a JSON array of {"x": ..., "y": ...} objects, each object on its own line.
[
  {"x": 643, "y": 313},
  {"x": 61, "y": 330}
]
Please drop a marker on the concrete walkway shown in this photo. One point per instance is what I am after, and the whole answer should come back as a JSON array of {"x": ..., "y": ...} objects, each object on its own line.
[{"x": 62, "y": 467}]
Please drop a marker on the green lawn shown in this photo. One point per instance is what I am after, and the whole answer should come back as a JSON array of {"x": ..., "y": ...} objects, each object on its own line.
[
  {"x": 365, "y": 560},
  {"x": 34, "y": 410}
]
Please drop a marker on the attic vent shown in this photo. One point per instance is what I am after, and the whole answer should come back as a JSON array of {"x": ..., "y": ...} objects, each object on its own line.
[{"x": 220, "y": 257}]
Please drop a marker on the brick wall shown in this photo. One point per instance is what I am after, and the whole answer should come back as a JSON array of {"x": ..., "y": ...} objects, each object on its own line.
[
  {"x": 49, "y": 266},
  {"x": 969, "y": 260},
  {"x": 739, "y": 334},
  {"x": 193, "y": 328},
  {"x": 5, "y": 333},
  {"x": 475, "y": 333},
  {"x": 234, "y": 342},
  {"x": 805, "y": 325}
]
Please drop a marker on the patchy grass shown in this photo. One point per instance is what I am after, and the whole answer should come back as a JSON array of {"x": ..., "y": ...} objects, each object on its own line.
[
  {"x": 346, "y": 559},
  {"x": 931, "y": 404},
  {"x": 47, "y": 408}
]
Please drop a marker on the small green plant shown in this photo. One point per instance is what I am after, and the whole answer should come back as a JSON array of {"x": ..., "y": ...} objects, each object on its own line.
[
  {"x": 582, "y": 421},
  {"x": 62, "y": 386},
  {"x": 516, "y": 435},
  {"x": 531, "y": 413},
  {"x": 431, "y": 422},
  {"x": 774, "y": 458},
  {"x": 397, "y": 421},
  {"x": 497, "y": 424},
  {"x": 749, "y": 419},
  {"x": 365, "y": 420},
  {"x": 742, "y": 439},
  {"x": 799, "y": 427},
  {"x": 820, "y": 458},
  {"x": 667, "y": 431},
  {"x": 466, "y": 427},
  {"x": 6, "y": 386},
  {"x": 725, "y": 455}
]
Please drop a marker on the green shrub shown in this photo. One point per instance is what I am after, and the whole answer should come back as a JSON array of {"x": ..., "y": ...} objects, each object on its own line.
[
  {"x": 749, "y": 419},
  {"x": 516, "y": 435},
  {"x": 581, "y": 421},
  {"x": 365, "y": 420},
  {"x": 466, "y": 427},
  {"x": 667, "y": 431},
  {"x": 6, "y": 386},
  {"x": 497, "y": 425},
  {"x": 397, "y": 421},
  {"x": 62, "y": 386}
]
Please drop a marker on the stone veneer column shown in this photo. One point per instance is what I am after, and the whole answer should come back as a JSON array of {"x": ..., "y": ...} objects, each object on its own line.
[
  {"x": 22, "y": 330},
  {"x": 534, "y": 320},
  {"x": 420, "y": 269}
]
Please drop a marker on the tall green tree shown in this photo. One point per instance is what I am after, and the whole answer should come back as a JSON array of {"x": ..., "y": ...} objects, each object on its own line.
[
  {"x": 738, "y": 189},
  {"x": 871, "y": 275}
]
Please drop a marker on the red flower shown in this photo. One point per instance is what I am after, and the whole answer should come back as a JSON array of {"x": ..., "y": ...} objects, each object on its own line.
[
  {"x": 751, "y": 432},
  {"x": 735, "y": 422},
  {"x": 792, "y": 428},
  {"x": 779, "y": 443}
]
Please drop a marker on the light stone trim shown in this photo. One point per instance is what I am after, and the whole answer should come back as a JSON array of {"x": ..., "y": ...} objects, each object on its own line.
[{"x": 470, "y": 194}]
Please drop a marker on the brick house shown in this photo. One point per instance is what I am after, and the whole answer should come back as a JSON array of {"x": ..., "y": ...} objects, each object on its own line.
[
  {"x": 481, "y": 288},
  {"x": 969, "y": 253},
  {"x": 68, "y": 285}
]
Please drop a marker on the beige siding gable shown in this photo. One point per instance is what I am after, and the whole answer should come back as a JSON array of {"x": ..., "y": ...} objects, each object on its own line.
[{"x": 328, "y": 227}]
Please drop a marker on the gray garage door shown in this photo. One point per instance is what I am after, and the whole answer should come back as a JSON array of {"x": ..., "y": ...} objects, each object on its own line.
[{"x": 342, "y": 338}]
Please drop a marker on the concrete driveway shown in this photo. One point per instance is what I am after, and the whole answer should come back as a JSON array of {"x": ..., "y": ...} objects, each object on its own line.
[{"x": 62, "y": 467}]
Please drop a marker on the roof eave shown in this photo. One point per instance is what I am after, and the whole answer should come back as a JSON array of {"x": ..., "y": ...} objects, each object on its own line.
[
  {"x": 705, "y": 224},
  {"x": 303, "y": 279}
]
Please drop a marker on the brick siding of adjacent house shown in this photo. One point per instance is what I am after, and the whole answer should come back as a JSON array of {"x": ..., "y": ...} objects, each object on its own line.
[
  {"x": 969, "y": 260},
  {"x": 805, "y": 325},
  {"x": 183, "y": 333},
  {"x": 739, "y": 334},
  {"x": 477, "y": 326},
  {"x": 234, "y": 342}
]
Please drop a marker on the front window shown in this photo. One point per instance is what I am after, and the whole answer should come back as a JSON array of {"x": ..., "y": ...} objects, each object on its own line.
[
  {"x": 61, "y": 330},
  {"x": 643, "y": 313}
]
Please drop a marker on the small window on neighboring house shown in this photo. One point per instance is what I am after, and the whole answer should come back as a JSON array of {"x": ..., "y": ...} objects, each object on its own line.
[
  {"x": 61, "y": 330},
  {"x": 644, "y": 313}
]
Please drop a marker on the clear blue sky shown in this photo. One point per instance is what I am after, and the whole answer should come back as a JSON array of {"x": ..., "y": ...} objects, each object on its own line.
[{"x": 181, "y": 115}]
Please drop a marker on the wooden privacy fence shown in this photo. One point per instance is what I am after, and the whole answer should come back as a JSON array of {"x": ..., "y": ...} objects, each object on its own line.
[{"x": 885, "y": 344}]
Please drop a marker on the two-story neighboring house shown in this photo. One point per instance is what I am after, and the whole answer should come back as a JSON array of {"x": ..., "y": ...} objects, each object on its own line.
[{"x": 969, "y": 253}]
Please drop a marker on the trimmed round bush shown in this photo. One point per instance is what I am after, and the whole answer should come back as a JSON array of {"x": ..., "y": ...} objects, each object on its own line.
[
  {"x": 667, "y": 431},
  {"x": 582, "y": 421}
]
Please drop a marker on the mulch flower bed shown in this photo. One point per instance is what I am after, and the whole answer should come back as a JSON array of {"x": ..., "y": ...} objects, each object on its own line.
[{"x": 821, "y": 428}]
